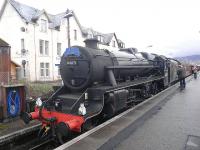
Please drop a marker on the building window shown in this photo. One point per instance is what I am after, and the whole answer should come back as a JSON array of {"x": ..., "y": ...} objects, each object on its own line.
[
  {"x": 75, "y": 35},
  {"x": 43, "y": 25},
  {"x": 90, "y": 36},
  {"x": 41, "y": 46},
  {"x": 23, "y": 51},
  {"x": 47, "y": 48},
  {"x": 113, "y": 43},
  {"x": 59, "y": 49},
  {"x": 100, "y": 38},
  {"x": 22, "y": 44},
  {"x": 58, "y": 71},
  {"x": 44, "y": 47},
  {"x": 44, "y": 69},
  {"x": 47, "y": 69}
]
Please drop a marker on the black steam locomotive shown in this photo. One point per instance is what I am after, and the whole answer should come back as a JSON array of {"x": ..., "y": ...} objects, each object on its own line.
[{"x": 98, "y": 84}]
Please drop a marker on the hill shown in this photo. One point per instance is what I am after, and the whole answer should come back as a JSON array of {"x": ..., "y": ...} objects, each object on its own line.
[{"x": 190, "y": 59}]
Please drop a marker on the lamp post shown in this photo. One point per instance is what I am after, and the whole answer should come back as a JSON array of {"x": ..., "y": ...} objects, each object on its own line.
[{"x": 68, "y": 15}]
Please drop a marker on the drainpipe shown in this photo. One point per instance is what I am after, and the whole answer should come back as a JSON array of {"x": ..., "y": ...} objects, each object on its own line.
[
  {"x": 68, "y": 15},
  {"x": 35, "y": 55},
  {"x": 52, "y": 55},
  {"x": 68, "y": 32}
]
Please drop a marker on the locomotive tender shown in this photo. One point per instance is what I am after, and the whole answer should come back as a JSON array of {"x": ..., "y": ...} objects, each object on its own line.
[{"x": 97, "y": 85}]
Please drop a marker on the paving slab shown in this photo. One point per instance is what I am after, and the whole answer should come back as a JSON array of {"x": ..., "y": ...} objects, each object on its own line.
[{"x": 176, "y": 126}]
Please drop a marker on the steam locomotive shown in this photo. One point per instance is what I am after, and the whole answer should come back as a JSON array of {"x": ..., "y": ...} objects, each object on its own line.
[{"x": 97, "y": 85}]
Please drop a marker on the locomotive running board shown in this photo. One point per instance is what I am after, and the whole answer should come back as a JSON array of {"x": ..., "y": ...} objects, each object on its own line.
[
  {"x": 128, "y": 84},
  {"x": 99, "y": 104},
  {"x": 131, "y": 67}
]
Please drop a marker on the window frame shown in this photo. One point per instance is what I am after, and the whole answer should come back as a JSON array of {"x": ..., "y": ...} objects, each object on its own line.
[
  {"x": 22, "y": 43},
  {"x": 46, "y": 46},
  {"x": 42, "y": 74},
  {"x": 47, "y": 71},
  {"x": 43, "y": 24},
  {"x": 75, "y": 35},
  {"x": 44, "y": 69},
  {"x": 59, "y": 49},
  {"x": 113, "y": 43},
  {"x": 43, "y": 47}
]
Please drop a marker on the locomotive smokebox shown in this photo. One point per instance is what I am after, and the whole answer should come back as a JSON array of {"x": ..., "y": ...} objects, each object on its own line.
[{"x": 82, "y": 66}]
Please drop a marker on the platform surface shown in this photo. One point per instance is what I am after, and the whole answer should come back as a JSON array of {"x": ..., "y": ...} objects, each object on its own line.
[
  {"x": 112, "y": 133},
  {"x": 175, "y": 126}
]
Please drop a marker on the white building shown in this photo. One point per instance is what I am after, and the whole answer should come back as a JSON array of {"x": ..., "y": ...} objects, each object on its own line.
[{"x": 38, "y": 39}]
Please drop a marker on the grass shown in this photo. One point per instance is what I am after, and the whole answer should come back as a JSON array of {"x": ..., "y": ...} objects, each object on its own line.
[{"x": 40, "y": 89}]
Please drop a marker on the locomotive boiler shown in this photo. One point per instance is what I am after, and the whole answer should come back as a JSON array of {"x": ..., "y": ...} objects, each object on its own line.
[
  {"x": 82, "y": 67},
  {"x": 97, "y": 85}
]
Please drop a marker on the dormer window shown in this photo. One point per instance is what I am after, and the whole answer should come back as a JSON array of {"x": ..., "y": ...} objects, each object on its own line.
[
  {"x": 90, "y": 36},
  {"x": 43, "y": 25},
  {"x": 75, "y": 34},
  {"x": 113, "y": 43},
  {"x": 100, "y": 38}
]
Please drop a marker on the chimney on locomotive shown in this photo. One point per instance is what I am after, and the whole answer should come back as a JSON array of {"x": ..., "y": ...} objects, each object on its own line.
[{"x": 91, "y": 43}]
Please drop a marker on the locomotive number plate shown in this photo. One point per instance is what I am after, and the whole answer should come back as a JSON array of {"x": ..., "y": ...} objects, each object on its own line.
[{"x": 71, "y": 62}]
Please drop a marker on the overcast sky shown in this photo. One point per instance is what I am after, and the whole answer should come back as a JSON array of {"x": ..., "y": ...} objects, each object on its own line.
[{"x": 169, "y": 27}]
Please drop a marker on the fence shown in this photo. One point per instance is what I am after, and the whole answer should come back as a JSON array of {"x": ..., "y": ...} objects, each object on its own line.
[
  {"x": 5, "y": 78},
  {"x": 10, "y": 78}
]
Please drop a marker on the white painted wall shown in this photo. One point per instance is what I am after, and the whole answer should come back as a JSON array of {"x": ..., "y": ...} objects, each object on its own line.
[
  {"x": 80, "y": 38},
  {"x": 10, "y": 26},
  {"x": 10, "y": 31}
]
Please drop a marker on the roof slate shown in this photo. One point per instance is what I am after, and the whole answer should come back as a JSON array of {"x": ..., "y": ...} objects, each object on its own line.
[
  {"x": 30, "y": 14},
  {"x": 26, "y": 12}
]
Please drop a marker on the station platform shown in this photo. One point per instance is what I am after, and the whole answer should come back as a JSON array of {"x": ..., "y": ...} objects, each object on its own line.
[
  {"x": 175, "y": 126},
  {"x": 167, "y": 121}
]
